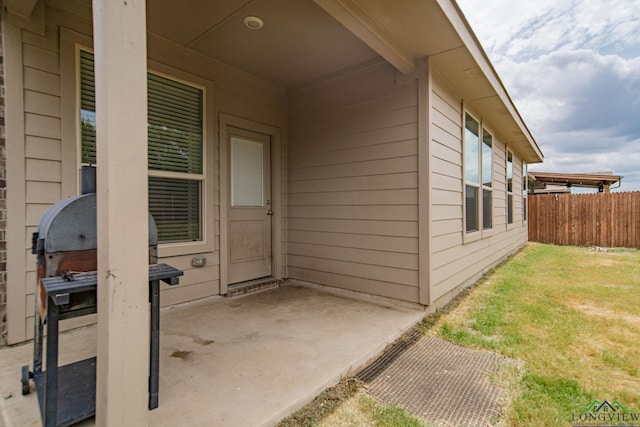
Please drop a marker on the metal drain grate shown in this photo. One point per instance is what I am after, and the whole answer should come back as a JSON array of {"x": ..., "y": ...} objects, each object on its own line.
[
  {"x": 371, "y": 372},
  {"x": 440, "y": 382}
]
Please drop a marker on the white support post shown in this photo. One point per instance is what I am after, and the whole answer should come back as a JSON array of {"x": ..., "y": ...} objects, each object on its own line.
[
  {"x": 424, "y": 181},
  {"x": 122, "y": 204}
]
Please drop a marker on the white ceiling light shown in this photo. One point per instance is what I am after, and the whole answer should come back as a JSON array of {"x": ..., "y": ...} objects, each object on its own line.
[{"x": 253, "y": 22}]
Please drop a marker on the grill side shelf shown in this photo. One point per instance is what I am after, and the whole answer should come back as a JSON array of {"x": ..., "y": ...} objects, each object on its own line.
[{"x": 86, "y": 281}]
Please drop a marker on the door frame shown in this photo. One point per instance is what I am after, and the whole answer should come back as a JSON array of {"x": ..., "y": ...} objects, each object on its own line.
[{"x": 227, "y": 121}]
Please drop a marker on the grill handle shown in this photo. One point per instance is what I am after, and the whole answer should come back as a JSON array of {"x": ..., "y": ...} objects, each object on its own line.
[{"x": 34, "y": 244}]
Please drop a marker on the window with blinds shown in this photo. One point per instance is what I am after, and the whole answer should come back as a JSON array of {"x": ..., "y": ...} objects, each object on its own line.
[
  {"x": 509, "y": 173},
  {"x": 87, "y": 108},
  {"x": 478, "y": 175},
  {"x": 175, "y": 141}
]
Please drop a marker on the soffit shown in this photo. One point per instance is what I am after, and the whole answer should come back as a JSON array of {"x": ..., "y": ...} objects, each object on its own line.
[
  {"x": 298, "y": 43},
  {"x": 462, "y": 70},
  {"x": 405, "y": 31},
  {"x": 190, "y": 19},
  {"x": 420, "y": 26},
  {"x": 457, "y": 69},
  {"x": 22, "y": 8},
  {"x": 304, "y": 40}
]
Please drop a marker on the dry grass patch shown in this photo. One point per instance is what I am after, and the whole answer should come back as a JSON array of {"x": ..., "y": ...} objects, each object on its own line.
[
  {"x": 547, "y": 306},
  {"x": 347, "y": 405},
  {"x": 604, "y": 313},
  {"x": 351, "y": 413},
  {"x": 362, "y": 410},
  {"x": 569, "y": 315},
  {"x": 324, "y": 405}
]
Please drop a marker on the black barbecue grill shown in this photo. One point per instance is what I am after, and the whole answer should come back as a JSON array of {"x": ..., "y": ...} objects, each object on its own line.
[{"x": 66, "y": 249}]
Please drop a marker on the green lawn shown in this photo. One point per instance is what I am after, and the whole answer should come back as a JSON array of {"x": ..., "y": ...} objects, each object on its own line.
[
  {"x": 572, "y": 316},
  {"x": 569, "y": 316}
]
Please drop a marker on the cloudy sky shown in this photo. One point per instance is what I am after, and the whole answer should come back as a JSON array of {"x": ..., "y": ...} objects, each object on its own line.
[{"x": 572, "y": 68}]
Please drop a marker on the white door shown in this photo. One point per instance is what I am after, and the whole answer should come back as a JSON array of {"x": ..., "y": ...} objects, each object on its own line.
[{"x": 249, "y": 206}]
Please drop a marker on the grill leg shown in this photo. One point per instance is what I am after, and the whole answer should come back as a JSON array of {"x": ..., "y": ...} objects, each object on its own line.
[
  {"x": 51, "y": 373},
  {"x": 154, "y": 342},
  {"x": 37, "y": 337}
]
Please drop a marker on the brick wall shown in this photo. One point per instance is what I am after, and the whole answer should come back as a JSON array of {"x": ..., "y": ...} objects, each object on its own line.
[{"x": 3, "y": 205}]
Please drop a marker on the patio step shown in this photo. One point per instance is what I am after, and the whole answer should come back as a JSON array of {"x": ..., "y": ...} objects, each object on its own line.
[{"x": 252, "y": 286}]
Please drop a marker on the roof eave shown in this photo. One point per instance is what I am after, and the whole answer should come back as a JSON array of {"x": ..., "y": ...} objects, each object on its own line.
[
  {"x": 439, "y": 30},
  {"x": 22, "y": 8},
  {"x": 463, "y": 28}
]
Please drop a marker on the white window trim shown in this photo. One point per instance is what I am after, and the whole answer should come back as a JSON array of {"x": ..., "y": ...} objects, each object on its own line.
[
  {"x": 71, "y": 44},
  {"x": 481, "y": 233},
  {"x": 525, "y": 192},
  {"x": 206, "y": 178},
  {"x": 471, "y": 236},
  {"x": 489, "y": 231},
  {"x": 507, "y": 193}
]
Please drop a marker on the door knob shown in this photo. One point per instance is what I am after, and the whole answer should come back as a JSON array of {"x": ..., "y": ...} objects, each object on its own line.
[{"x": 269, "y": 212}]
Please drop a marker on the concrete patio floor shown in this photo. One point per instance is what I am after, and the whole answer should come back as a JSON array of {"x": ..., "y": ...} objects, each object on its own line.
[{"x": 245, "y": 361}]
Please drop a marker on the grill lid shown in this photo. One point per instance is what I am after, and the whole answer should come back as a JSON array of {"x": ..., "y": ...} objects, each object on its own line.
[{"x": 70, "y": 225}]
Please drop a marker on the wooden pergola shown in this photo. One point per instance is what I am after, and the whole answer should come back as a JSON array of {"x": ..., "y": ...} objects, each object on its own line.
[{"x": 600, "y": 180}]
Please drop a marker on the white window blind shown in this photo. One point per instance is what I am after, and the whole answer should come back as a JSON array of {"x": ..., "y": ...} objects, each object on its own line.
[
  {"x": 175, "y": 126},
  {"x": 87, "y": 108},
  {"x": 175, "y": 205},
  {"x": 175, "y": 141}
]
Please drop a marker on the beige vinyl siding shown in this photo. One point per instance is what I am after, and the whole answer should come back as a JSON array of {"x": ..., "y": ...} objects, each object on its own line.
[
  {"x": 517, "y": 191},
  {"x": 353, "y": 177},
  {"x": 43, "y": 141},
  {"x": 454, "y": 262},
  {"x": 500, "y": 184},
  {"x": 50, "y": 159}
]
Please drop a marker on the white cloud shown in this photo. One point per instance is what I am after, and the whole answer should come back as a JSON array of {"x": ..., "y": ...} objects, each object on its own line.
[
  {"x": 573, "y": 70},
  {"x": 576, "y": 90},
  {"x": 528, "y": 28}
]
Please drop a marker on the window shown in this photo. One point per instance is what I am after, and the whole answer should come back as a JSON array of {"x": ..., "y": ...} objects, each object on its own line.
[
  {"x": 487, "y": 180},
  {"x": 175, "y": 138},
  {"x": 524, "y": 191},
  {"x": 509, "y": 187},
  {"x": 247, "y": 186},
  {"x": 471, "y": 173},
  {"x": 478, "y": 175}
]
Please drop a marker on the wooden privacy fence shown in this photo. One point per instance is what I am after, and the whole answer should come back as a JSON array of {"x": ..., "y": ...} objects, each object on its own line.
[{"x": 606, "y": 220}]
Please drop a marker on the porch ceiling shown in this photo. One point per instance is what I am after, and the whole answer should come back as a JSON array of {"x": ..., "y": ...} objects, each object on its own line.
[
  {"x": 304, "y": 40},
  {"x": 299, "y": 42}
]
